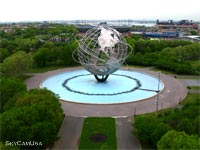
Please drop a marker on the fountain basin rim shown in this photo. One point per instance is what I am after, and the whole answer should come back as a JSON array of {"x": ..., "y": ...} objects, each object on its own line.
[{"x": 105, "y": 103}]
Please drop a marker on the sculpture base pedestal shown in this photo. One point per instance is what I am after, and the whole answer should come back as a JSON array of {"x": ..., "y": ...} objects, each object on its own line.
[{"x": 102, "y": 79}]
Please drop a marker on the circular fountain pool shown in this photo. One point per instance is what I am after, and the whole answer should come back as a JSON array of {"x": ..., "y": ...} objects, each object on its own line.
[{"x": 121, "y": 87}]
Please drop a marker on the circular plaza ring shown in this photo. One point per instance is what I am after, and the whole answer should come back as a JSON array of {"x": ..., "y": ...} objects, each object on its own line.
[{"x": 173, "y": 92}]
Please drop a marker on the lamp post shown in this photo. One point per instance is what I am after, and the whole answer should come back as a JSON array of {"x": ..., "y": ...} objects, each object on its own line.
[{"x": 158, "y": 91}]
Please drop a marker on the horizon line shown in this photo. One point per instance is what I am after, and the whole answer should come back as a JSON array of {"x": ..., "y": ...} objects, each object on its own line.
[{"x": 81, "y": 20}]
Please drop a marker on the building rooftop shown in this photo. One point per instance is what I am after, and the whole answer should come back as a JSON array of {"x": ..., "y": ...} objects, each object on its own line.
[{"x": 171, "y": 22}]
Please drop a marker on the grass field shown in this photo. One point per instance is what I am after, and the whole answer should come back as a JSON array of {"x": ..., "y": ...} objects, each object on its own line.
[
  {"x": 194, "y": 87},
  {"x": 162, "y": 71},
  {"x": 190, "y": 98},
  {"x": 44, "y": 69},
  {"x": 98, "y": 125},
  {"x": 194, "y": 63}
]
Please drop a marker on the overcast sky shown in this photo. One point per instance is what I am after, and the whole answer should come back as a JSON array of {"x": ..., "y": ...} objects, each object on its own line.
[{"x": 40, "y": 10}]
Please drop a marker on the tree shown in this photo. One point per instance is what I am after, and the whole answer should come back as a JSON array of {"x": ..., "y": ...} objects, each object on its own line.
[
  {"x": 159, "y": 131},
  {"x": 10, "y": 87},
  {"x": 37, "y": 116},
  {"x": 10, "y": 44},
  {"x": 186, "y": 126},
  {"x": 3, "y": 54},
  {"x": 196, "y": 125},
  {"x": 136, "y": 59},
  {"x": 130, "y": 41},
  {"x": 193, "y": 32},
  {"x": 8, "y": 146},
  {"x": 16, "y": 64},
  {"x": 144, "y": 127},
  {"x": 25, "y": 44},
  {"x": 40, "y": 57},
  {"x": 174, "y": 140}
]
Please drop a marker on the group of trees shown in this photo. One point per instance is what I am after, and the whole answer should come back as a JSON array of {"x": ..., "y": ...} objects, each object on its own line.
[
  {"x": 10, "y": 87},
  {"x": 174, "y": 140},
  {"x": 41, "y": 50},
  {"x": 55, "y": 54},
  {"x": 174, "y": 129},
  {"x": 28, "y": 116},
  {"x": 16, "y": 64},
  {"x": 35, "y": 115},
  {"x": 172, "y": 55},
  {"x": 35, "y": 47}
]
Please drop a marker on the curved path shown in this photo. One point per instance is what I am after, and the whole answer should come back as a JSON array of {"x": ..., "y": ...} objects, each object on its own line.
[{"x": 173, "y": 93}]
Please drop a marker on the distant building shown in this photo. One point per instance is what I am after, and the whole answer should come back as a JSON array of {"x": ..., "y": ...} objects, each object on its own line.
[
  {"x": 180, "y": 26},
  {"x": 84, "y": 28},
  {"x": 161, "y": 34},
  {"x": 192, "y": 38},
  {"x": 103, "y": 23}
]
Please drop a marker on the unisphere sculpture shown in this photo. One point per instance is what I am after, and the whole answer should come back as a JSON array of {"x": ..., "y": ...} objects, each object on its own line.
[{"x": 102, "y": 50}]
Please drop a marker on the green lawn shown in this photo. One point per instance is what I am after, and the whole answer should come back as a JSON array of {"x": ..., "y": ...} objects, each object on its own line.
[
  {"x": 194, "y": 87},
  {"x": 98, "y": 125},
  {"x": 194, "y": 63},
  {"x": 44, "y": 69},
  {"x": 162, "y": 71},
  {"x": 190, "y": 98},
  {"x": 49, "y": 68}
]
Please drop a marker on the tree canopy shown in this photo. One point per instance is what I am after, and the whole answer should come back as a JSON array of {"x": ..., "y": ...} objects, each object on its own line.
[
  {"x": 174, "y": 56},
  {"x": 10, "y": 87},
  {"x": 53, "y": 45},
  {"x": 36, "y": 116},
  {"x": 16, "y": 64},
  {"x": 150, "y": 129},
  {"x": 174, "y": 140}
]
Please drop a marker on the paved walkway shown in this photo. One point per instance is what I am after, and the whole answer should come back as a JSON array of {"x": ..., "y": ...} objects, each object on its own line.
[
  {"x": 70, "y": 130},
  {"x": 190, "y": 82},
  {"x": 69, "y": 133},
  {"x": 194, "y": 91},
  {"x": 125, "y": 138}
]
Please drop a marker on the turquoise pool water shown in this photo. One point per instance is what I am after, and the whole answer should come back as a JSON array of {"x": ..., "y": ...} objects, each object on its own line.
[{"x": 123, "y": 86}]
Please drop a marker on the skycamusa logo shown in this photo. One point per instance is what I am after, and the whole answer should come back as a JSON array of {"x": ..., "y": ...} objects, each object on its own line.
[{"x": 23, "y": 143}]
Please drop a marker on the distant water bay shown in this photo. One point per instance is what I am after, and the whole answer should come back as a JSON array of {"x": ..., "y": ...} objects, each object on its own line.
[{"x": 114, "y": 22}]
